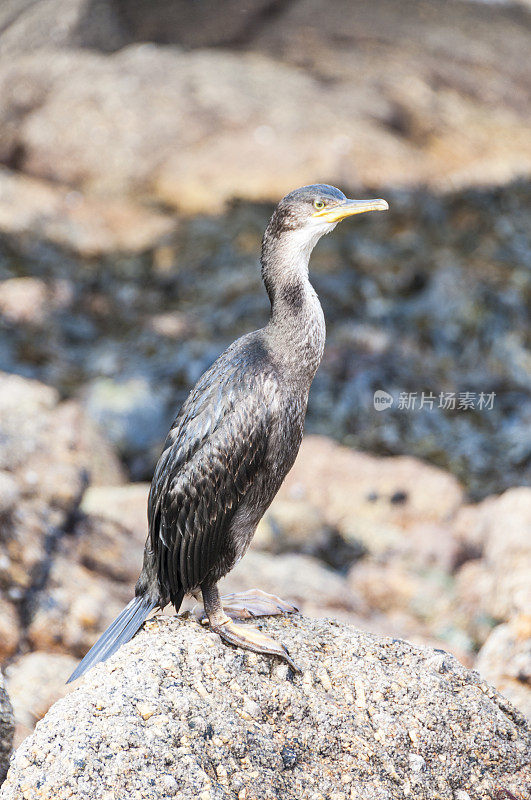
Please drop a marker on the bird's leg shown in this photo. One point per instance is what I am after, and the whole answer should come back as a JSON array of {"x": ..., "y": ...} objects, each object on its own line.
[
  {"x": 240, "y": 635},
  {"x": 249, "y": 604}
]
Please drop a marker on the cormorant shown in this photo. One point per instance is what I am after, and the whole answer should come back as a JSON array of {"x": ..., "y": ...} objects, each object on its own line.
[{"x": 234, "y": 440}]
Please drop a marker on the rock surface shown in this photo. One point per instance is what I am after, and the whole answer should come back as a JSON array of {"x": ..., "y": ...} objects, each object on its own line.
[
  {"x": 35, "y": 681},
  {"x": 33, "y": 210},
  {"x": 407, "y": 96},
  {"x": 7, "y": 725},
  {"x": 500, "y": 528},
  {"x": 505, "y": 661},
  {"x": 177, "y": 713},
  {"x": 50, "y": 452}
]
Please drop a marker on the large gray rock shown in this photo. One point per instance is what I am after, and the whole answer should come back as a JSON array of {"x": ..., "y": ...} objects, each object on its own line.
[
  {"x": 178, "y": 714},
  {"x": 7, "y": 725}
]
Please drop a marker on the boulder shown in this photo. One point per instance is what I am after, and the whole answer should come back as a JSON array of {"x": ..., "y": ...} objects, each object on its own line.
[
  {"x": 51, "y": 447},
  {"x": 443, "y": 103},
  {"x": 7, "y": 725},
  {"x": 497, "y": 584},
  {"x": 505, "y": 661},
  {"x": 125, "y": 505},
  {"x": 50, "y": 452},
  {"x": 313, "y": 587},
  {"x": 385, "y": 505},
  {"x": 32, "y": 209},
  {"x": 28, "y": 25},
  {"x": 108, "y": 25},
  {"x": 75, "y": 606},
  {"x": 35, "y": 681},
  {"x": 176, "y": 713}
]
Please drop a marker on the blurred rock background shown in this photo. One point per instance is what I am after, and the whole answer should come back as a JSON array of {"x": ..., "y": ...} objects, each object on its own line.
[{"x": 142, "y": 145}]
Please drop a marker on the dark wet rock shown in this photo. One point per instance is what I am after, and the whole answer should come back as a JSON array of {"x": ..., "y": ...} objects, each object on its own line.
[
  {"x": 379, "y": 337},
  {"x": 176, "y": 711},
  {"x": 7, "y": 725}
]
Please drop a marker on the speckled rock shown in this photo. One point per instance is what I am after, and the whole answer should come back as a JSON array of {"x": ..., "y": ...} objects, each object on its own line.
[
  {"x": 7, "y": 724},
  {"x": 178, "y": 714}
]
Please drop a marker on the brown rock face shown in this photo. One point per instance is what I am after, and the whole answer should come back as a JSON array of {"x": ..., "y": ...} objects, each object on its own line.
[
  {"x": 385, "y": 504},
  {"x": 34, "y": 209},
  {"x": 499, "y": 585},
  {"x": 420, "y": 93},
  {"x": 177, "y": 713},
  {"x": 505, "y": 661},
  {"x": 35, "y": 681},
  {"x": 49, "y": 453}
]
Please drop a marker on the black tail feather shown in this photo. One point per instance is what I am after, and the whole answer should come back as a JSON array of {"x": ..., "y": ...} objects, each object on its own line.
[{"x": 120, "y": 631}]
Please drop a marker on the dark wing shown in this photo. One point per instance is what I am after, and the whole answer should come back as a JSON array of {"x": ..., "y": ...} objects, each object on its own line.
[{"x": 213, "y": 453}]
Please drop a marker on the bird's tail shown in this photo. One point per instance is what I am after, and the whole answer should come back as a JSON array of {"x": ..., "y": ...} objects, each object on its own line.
[{"x": 120, "y": 631}]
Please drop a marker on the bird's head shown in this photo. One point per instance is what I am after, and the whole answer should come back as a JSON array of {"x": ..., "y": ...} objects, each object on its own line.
[
  {"x": 306, "y": 214},
  {"x": 297, "y": 224}
]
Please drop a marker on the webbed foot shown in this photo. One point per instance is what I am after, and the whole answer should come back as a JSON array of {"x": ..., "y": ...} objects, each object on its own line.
[
  {"x": 245, "y": 605},
  {"x": 252, "y": 639}
]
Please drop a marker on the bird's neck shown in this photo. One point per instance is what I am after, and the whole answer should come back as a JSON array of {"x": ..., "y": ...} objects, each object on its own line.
[{"x": 296, "y": 329}]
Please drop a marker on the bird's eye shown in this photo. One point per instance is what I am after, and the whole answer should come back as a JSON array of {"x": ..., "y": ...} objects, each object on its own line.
[{"x": 318, "y": 204}]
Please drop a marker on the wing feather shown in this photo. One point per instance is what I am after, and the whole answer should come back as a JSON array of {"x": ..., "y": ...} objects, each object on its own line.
[{"x": 213, "y": 453}]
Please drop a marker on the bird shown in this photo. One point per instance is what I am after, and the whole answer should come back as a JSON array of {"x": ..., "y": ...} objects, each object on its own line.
[{"x": 234, "y": 440}]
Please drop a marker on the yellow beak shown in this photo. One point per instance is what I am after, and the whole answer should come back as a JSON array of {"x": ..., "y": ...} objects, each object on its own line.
[{"x": 350, "y": 207}]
